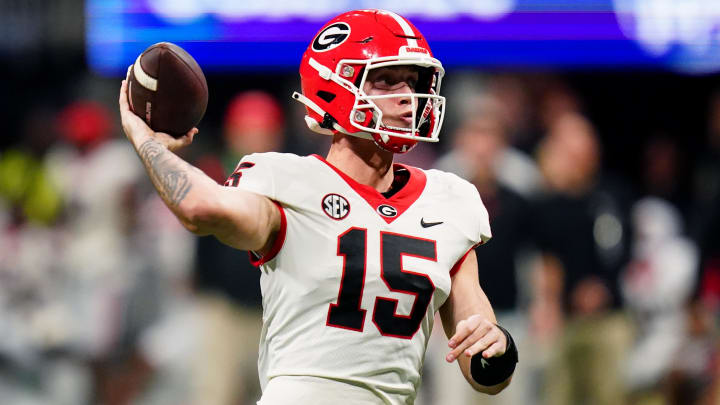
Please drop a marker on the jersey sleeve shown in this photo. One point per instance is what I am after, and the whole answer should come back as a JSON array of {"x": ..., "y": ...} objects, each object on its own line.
[
  {"x": 474, "y": 215},
  {"x": 255, "y": 173},
  {"x": 471, "y": 216},
  {"x": 481, "y": 218}
]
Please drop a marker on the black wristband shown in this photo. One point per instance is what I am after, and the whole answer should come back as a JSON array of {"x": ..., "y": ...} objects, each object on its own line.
[{"x": 493, "y": 371}]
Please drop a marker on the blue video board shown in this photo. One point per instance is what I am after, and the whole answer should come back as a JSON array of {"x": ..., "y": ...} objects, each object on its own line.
[{"x": 231, "y": 35}]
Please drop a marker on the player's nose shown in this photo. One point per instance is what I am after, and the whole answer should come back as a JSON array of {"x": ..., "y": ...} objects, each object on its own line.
[{"x": 403, "y": 90}]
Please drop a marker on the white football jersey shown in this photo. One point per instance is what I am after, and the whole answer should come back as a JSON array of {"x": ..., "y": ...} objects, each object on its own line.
[{"x": 351, "y": 286}]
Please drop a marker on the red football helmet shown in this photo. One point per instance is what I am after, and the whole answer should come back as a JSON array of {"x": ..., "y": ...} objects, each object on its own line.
[{"x": 335, "y": 67}]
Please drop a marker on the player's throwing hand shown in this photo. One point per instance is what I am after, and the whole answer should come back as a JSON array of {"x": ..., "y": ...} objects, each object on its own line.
[{"x": 135, "y": 128}]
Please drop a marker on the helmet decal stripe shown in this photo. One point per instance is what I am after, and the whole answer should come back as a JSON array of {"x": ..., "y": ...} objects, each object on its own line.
[{"x": 407, "y": 30}]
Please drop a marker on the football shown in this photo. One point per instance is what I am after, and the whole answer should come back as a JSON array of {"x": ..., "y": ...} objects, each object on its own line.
[{"x": 167, "y": 89}]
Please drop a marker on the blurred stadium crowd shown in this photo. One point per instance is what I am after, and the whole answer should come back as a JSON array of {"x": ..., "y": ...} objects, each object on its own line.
[{"x": 603, "y": 191}]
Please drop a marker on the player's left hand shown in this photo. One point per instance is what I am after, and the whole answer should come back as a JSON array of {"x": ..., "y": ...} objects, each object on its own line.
[{"x": 474, "y": 335}]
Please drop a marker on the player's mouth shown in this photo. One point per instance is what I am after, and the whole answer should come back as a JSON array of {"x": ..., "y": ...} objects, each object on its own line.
[
  {"x": 408, "y": 116},
  {"x": 404, "y": 120},
  {"x": 401, "y": 122}
]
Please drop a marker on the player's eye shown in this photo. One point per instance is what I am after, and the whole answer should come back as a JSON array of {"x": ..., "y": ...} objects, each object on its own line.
[
  {"x": 382, "y": 84},
  {"x": 394, "y": 82}
]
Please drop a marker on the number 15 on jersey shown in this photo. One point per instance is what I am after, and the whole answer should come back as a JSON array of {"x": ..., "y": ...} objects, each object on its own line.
[{"x": 346, "y": 313}]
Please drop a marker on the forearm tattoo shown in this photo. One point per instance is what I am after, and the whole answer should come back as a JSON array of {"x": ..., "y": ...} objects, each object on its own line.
[{"x": 167, "y": 174}]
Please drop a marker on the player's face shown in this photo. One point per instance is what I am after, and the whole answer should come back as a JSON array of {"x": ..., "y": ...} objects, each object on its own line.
[{"x": 397, "y": 111}]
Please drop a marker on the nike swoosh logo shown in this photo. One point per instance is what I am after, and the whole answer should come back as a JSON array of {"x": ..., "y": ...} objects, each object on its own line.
[{"x": 428, "y": 224}]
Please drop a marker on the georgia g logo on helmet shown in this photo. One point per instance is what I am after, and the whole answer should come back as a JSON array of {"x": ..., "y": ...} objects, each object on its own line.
[{"x": 331, "y": 37}]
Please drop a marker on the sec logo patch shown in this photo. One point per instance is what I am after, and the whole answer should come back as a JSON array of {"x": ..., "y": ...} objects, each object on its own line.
[{"x": 335, "y": 206}]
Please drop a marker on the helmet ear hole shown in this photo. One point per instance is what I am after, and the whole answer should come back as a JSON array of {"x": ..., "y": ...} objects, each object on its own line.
[{"x": 326, "y": 95}]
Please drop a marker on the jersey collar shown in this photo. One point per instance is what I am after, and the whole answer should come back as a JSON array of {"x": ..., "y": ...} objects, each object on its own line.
[{"x": 400, "y": 201}]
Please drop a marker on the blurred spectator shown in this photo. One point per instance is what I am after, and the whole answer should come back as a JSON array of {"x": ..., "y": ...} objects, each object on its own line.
[
  {"x": 506, "y": 97},
  {"x": 656, "y": 286},
  {"x": 661, "y": 168},
  {"x": 705, "y": 217},
  {"x": 580, "y": 225},
  {"x": 556, "y": 102},
  {"x": 225, "y": 370},
  {"x": 695, "y": 368},
  {"x": 125, "y": 263},
  {"x": 695, "y": 377},
  {"x": 85, "y": 124},
  {"x": 26, "y": 186},
  {"x": 157, "y": 367},
  {"x": 100, "y": 179},
  {"x": 254, "y": 122},
  {"x": 482, "y": 141},
  {"x": 512, "y": 167},
  {"x": 33, "y": 310},
  {"x": 514, "y": 109},
  {"x": 96, "y": 175},
  {"x": 62, "y": 289}
]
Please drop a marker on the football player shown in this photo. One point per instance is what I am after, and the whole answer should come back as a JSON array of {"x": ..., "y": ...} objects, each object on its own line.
[{"x": 357, "y": 253}]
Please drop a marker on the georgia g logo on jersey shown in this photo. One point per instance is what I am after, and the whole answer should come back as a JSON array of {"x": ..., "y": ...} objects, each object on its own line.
[
  {"x": 387, "y": 210},
  {"x": 331, "y": 37}
]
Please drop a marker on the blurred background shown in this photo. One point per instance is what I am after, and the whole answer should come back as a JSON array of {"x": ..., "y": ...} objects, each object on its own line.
[{"x": 591, "y": 129}]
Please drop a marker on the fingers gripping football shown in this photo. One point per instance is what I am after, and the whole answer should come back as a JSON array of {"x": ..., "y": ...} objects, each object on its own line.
[
  {"x": 134, "y": 127},
  {"x": 474, "y": 335}
]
